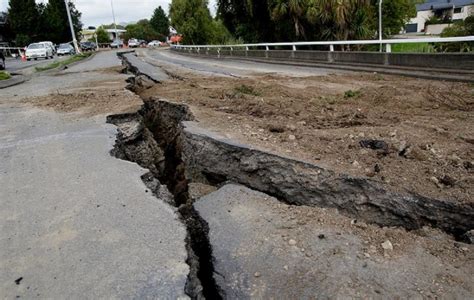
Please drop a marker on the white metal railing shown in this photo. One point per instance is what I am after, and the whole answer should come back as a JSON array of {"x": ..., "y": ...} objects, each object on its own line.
[
  {"x": 12, "y": 51},
  {"x": 388, "y": 43},
  {"x": 11, "y": 48}
]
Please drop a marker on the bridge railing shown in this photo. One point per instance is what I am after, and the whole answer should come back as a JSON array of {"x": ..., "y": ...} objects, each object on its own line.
[{"x": 294, "y": 45}]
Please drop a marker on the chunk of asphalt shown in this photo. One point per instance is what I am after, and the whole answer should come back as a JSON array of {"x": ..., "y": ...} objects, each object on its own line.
[
  {"x": 218, "y": 160},
  {"x": 140, "y": 67},
  {"x": 374, "y": 144},
  {"x": 251, "y": 236}
]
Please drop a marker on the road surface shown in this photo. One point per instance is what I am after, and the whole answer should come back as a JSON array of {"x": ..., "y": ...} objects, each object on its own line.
[
  {"x": 76, "y": 222},
  {"x": 16, "y": 65},
  {"x": 229, "y": 67}
]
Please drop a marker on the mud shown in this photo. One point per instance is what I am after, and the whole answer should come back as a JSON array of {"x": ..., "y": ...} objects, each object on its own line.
[{"x": 426, "y": 124}]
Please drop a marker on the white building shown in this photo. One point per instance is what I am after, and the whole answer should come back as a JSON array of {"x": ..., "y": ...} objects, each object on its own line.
[
  {"x": 88, "y": 34},
  {"x": 442, "y": 9}
]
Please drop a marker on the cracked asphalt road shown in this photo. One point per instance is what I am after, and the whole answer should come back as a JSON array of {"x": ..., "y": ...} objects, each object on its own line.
[{"x": 76, "y": 222}]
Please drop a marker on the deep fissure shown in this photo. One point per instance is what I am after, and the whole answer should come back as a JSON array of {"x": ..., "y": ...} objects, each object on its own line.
[
  {"x": 158, "y": 125},
  {"x": 170, "y": 172}
]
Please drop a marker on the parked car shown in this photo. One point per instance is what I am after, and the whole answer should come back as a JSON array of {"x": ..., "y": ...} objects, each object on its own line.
[
  {"x": 38, "y": 50},
  {"x": 116, "y": 44},
  {"x": 154, "y": 44},
  {"x": 133, "y": 43},
  {"x": 51, "y": 45},
  {"x": 88, "y": 46},
  {"x": 66, "y": 49}
]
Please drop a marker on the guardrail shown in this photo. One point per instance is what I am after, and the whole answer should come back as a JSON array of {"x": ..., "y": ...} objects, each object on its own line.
[
  {"x": 12, "y": 51},
  {"x": 388, "y": 43}
]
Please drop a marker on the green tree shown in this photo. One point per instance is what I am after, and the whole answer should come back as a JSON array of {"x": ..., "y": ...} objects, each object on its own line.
[
  {"x": 57, "y": 26},
  {"x": 463, "y": 28},
  {"x": 396, "y": 14},
  {"x": 141, "y": 30},
  {"x": 251, "y": 20},
  {"x": 102, "y": 36},
  {"x": 160, "y": 22},
  {"x": 193, "y": 20},
  {"x": 295, "y": 10},
  {"x": 340, "y": 20},
  {"x": 286, "y": 20},
  {"x": 23, "y": 18}
]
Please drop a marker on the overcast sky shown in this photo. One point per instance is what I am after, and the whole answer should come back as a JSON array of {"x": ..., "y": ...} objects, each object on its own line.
[{"x": 97, "y": 12}]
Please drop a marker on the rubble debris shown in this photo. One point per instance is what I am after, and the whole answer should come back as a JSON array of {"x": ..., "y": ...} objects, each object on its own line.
[
  {"x": 374, "y": 144},
  {"x": 387, "y": 245}
]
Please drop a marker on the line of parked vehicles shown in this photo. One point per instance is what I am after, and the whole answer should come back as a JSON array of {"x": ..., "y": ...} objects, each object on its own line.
[
  {"x": 136, "y": 43},
  {"x": 47, "y": 49}
]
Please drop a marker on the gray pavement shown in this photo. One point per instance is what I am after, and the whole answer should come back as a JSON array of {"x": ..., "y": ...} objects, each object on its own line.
[
  {"x": 144, "y": 68},
  {"x": 76, "y": 222},
  {"x": 264, "y": 249},
  {"x": 230, "y": 67},
  {"x": 17, "y": 65}
]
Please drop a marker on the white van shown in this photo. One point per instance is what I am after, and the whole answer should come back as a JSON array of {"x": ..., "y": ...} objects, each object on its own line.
[
  {"x": 38, "y": 50},
  {"x": 50, "y": 44}
]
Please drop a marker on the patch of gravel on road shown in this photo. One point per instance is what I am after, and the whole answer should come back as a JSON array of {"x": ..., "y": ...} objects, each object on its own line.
[{"x": 427, "y": 125}]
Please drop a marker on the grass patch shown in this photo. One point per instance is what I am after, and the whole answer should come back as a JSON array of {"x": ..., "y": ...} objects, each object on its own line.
[
  {"x": 351, "y": 94},
  {"x": 4, "y": 75},
  {"x": 247, "y": 90},
  {"x": 68, "y": 61},
  {"x": 413, "y": 48}
]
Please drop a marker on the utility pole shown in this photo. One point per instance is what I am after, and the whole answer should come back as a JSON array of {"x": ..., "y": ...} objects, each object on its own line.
[
  {"x": 380, "y": 25},
  {"x": 113, "y": 15},
  {"x": 74, "y": 40}
]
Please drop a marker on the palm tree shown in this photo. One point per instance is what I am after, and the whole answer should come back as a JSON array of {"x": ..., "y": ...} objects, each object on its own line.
[
  {"x": 295, "y": 10},
  {"x": 340, "y": 19}
]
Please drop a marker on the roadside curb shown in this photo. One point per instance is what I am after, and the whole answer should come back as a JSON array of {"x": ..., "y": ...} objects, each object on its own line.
[
  {"x": 15, "y": 80},
  {"x": 59, "y": 69}
]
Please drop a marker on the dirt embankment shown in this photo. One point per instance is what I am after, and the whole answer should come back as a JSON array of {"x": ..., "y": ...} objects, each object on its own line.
[
  {"x": 101, "y": 97},
  {"x": 411, "y": 134}
]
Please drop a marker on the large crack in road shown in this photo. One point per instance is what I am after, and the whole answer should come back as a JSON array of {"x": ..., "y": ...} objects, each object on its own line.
[{"x": 162, "y": 138}]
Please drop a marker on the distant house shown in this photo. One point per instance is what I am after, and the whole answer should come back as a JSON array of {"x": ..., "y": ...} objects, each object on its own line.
[
  {"x": 88, "y": 34},
  {"x": 446, "y": 11}
]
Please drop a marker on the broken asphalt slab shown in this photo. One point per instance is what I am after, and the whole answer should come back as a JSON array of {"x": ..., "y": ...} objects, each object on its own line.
[
  {"x": 76, "y": 222},
  {"x": 210, "y": 157},
  {"x": 263, "y": 249},
  {"x": 140, "y": 67}
]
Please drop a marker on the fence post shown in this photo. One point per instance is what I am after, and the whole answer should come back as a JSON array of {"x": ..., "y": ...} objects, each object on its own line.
[
  {"x": 207, "y": 51},
  {"x": 266, "y": 51},
  {"x": 218, "y": 52},
  {"x": 231, "y": 51},
  {"x": 388, "y": 50},
  {"x": 330, "y": 53},
  {"x": 246, "y": 51},
  {"x": 293, "y": 50}
]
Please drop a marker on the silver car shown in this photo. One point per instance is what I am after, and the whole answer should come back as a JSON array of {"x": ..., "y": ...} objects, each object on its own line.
[{"x": 65, "y": 49}]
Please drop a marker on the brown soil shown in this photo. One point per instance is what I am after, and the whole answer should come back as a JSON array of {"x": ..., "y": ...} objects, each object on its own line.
[
  {"x": 106, "y": 97},
  {"x": 428, "y": 126}
]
